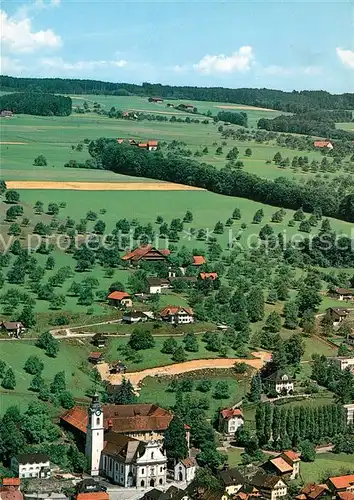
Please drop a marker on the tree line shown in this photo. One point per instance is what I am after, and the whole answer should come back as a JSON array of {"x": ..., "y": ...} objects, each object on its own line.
[
  {"x": 281, "y": 192},
  {"x": 36, "y": 103},
  {"x": 294, "y": 102}
]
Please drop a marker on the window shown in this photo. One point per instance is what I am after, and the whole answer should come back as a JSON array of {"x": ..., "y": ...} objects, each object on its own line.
[
  {"x": 160, "y": 481},
  {"x": 152, "y": 455},
  {"x": 161, "y": 469},
  {"x": 142, "y": 484},
  {"x": 143, "y": 471},
  {"x": 98, "y": 421}
]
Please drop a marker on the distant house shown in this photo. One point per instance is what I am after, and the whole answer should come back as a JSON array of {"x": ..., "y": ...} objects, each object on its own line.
[
  {"x": 143, "y": 145},
  {"x": 13, "y": 328},
  {"x": 177, "y": 315},
  {"x": 341, "y": 483},
  {"x": 323, "y": 144},
  {"x": 134, "y": 317},
  {"x": 172, "y": 493},
  {"x": 117, "y": 367},
  {"x": 280, "y": 382},
  {"x": 99, "y": 340},
  {"x": 10, "y": 489},
  {"x": 270, "y": 486},
  {"x": 157, "y": 284},
  {"x": 31, "y": 465},
  {"x": 337, "y": 314},
  {"x": 208, "y": 276},
  {"x": 313, "y": 491},
  {"x": 120, "y": 141},
  {"x": 146, "y": 253},
  {"x": 231, "y": 480},
  {"x": 341, "y": 294},
  {"x": 230, "y": 419},
  {"x": 286, "y": 465},
  {"x": 152, "y": 145},
  {"x": 187, "y": 106},
  {"x": 119, "y": 298},
  {"x": 185, "y": 470},
  {"x": 198, "y": 260},
  {"x": 343, "y": 362},
  {"x": 349, "y": 413},
  {"x": 155, "y": 99},
  {"x": 170, "y": 105},
  {"x": 6, "y": 113},
  {"x": 95, "y": 357}
]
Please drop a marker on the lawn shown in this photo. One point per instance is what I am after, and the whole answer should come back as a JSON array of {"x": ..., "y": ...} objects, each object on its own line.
[
  {"x": 72, "y": 359},
  {"x": 154, "y": 390},
  {"x": 325, "y": 465}
]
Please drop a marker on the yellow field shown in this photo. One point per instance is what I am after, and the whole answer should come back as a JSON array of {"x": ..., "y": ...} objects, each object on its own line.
[{"x": 101, "y": 186}]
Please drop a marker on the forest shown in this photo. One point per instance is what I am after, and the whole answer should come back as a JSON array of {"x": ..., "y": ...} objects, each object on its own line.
[
  {"x": 281, "y": 192},
  {"x": 318, "y": 123},
  {"x": 36, "y": 103},
  {"x": 294, "y": 102}
]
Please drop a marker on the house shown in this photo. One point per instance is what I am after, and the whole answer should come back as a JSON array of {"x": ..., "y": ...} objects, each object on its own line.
[
  {"x": 11, "y": 482},
  {"x": 280, "y": 382},
  {"x": 10, "y": 489},
  {"x": 177, "y": 315},
  {"x": 313, "y": 491},
  {"x": 339, "y": 484},
  {"x": 95, "y": 357},
  {"x": 208, "y": 276},
  {"x": 345, "y": 495},
  {"x": 118, "y": 298},
  {"x": 185, "y": 470},
  {"x": 146, "y": 253},
  {"x": 89, "y": 485},
  {"x": 132, "y": 317},
  {"x": 144, "y": 422},
  {"x": 349, "y": 413},
  {"x": 343, "y": 362},
  {"x": 232, "y": 481},
  {"x": 187, "y": 106},
  {"x": 341, "y": 294},
  {"x": 6, "y": 113},
  {"x": 286, "y": 465},
  {"x": 117, "y": 367},
  {"x": 198, "y": 260},
  {"x": 29, "y": 465},
  {"x": 120, "y": 141},
  {"x": 13, "y": 328},
  {"x": 152, "y": 145},
  {"x": 323, "y": 144},
  {"x": 270, "y": 486},
  {"x": 99, "y": 340},
  {"x": 157, "y": 284},
  {"x": 155, "y": 99},
  {"x": 172, "y": 493},
  {"x": 337, "y": 315},
  {"x": 230, "y": 419}
]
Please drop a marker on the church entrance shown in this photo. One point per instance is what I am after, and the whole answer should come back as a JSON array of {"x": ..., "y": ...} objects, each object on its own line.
[
  {"x": 180, "y": 476},
  {"x": 152, "y": 482}
]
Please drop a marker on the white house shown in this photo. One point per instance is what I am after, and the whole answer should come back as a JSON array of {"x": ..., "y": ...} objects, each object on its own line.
[
  {"x": 156, "y": 285},
  {"x": 185, "y": 470},
  {"x": 343, "y": 362},
  {"x": 31, "y": 465},
  {"x": 230, "y": 419},
  {"x": 132, "y": 317},
  {"x": 177, "y": 315},
  {"x": 349, "y": 412},
  {"x": 280, "y": 382}
]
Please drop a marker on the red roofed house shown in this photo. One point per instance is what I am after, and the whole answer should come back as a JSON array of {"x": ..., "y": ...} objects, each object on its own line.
[
  {"x": 323, "y": 144},
  {"x": 92, "y": 495},
  {"x": 152, "y": 145},
  {"x": 143, "y": 145},
  {"x": 119, "y": 298},
  {"x": 313, "y": 492},
  {"x": 342, "y": 483},
  {"x": 146, "y": 252},
  {"x": 286, "y": 465},
  {"x": 177, "y": 315},
  {"x": 230, "y": 419},
  {"x": 198, "y": 260},
  {"x": 95, "y": 357},
  {"x": 9, "y": 490},
  {"x": 345, "y": 495},
  {"x": 208, "y": 276},
  {"x": 155, "y": 99}
]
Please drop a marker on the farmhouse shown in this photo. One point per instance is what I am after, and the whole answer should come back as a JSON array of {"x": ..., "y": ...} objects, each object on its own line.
[
  {"x": 118, "y": 298},
  {"x": 337, "y": 314},
  {"x": 313, "y": 491},
  {"x": 280, "y": 382},
  {"x": 30, "y": 465},
  {"x": 155, "y": 99},
  {"x": 208, "y": 276},
  {"x": 99, "y": 340},
  {"x": 132, "y": 317},
  {"x": 343, "y": 362},
  {"x": 157, "y": 284},
  {"x": 146, "y": 253},
  {"x": 341, "y": 483},
  {"x": 198, "y": 260},
  {"x": 230, "y": 419},
  {"x": 6, "y": 113},
  {"x": 13, "y": 328},
  {"x": 323, "y": 144},
  {"x": 95, "y": 357},
  {"x": 286, "y": 465},
  {"x": 341, "y": 294},
  {"x": 185, "y": 470},
  {"x": 177, "y": 315}
]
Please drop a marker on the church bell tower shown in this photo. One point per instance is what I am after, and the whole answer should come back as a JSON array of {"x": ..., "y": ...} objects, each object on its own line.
[{"x": 94, "y": 435}]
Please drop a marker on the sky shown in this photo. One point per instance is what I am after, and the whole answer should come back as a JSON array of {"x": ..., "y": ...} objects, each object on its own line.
[{"x": 288, "y": 45}]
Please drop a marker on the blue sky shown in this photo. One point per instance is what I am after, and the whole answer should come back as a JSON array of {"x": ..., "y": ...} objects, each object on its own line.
[{"x": 274, "y": 44}]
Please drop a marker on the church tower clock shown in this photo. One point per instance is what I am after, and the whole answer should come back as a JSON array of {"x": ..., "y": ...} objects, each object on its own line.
[{"x": 94, "y": 435}]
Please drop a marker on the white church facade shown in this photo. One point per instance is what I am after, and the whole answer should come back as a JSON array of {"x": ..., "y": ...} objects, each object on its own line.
[{"x": 122, "y": 459}]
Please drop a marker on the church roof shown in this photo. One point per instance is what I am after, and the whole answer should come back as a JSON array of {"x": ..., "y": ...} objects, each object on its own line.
[{"x": 123, "y": 447}]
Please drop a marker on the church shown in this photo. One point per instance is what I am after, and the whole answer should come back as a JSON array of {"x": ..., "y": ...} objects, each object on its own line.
[{"x": 123, "y": 443}]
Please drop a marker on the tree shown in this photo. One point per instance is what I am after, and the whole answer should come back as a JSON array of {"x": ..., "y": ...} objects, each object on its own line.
[
  {"x": 258, "y": 216},
  {"x": 219, "y": 228},
  {"x": 53, "y": 208},
  {"x": 169, "y": 346},
  {"x": 50, "y": 263},
  {"x": 273, "y": 322},
  {"x": 125, "y": 394},
  {"x": 308, "y": 452},
  {"x": 236, "y": 214},
  {"x": 99, "y": 227},
  {"x": 188, "y": 217},
  {"x": 2, "y": 368},
  {"x": 66, "y": 400},
  {"x": 37, "y": 383},
  {"x": 204, "y": 385},
  {"x": 58, "y": 301},
  {"x": 141, "y": 339},
  {"x": 12, "y": 196},
  {"x": 305, "y": 226},
  {"x": 291, "y": 312},
  {"x": 40, "y": 161},
  {"x": 221, "y": 390},
  {"x": 191, "y": 342},
  {"x": 9, "y": 379},
  {"x": 248, "y": 152},
  {"x": 14, "y": 230},
  {"x": 179, "y": 355},
  {"x": 255, "y": 304},
  {"x": 34, "y": 365},
  {"x": 58, "y": 385},
  {"x": 277, "y": 158},
  {"x": 294, "y": 349},
  {"x": 175, "y": 440},
  {"x": 256, "y": 388}
]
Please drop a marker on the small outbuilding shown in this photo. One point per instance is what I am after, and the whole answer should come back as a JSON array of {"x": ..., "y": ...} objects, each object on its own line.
[
  {"x": 119, "y": 298},
  {"x": 13, "y": 328},
  {"x": 185, "y": 470}
]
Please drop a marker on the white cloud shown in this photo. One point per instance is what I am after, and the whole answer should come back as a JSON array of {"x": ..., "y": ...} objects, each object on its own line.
[
  {"x": 61, "y": 64},
  {"x": 180, "y": 68},
  {"x": 346, "y": 57},
  {"x": 241, "y": 60},
  {"x": 18, "y": 35},
  {"x": 9, "y": 66}
]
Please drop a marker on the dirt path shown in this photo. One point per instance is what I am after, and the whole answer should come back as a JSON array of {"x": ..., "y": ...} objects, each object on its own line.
[
  {"x": 177, "y": 368},
  {"x": 11, "y": 142},
  {"x": 101, "y": 186}
]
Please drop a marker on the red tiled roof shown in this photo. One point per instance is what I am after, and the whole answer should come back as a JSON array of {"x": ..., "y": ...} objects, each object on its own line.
[
  {"x": 281, "y": 464},
  {"x": 340, "y": 482},
  {"x": 142, "y": 251},
  {"x": 153, "y": 143},
  {"x": 117, "y": 295},
  {"x": 321, "y": 144},
  {"x": 231, "y": 412},
  {"x": 205, "y": 276},
  {"x": 172, "y": 310},
  {"x": 94, "y": 495},
  {"x": 95, "y": 355},
  {"x": 346, "y": 495},
  {"x": 11, "y": 481},
  {"x": 189, "y": 462},
  {"x": 198, "y": 260},
  {"x": 292, "y": 455}
]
